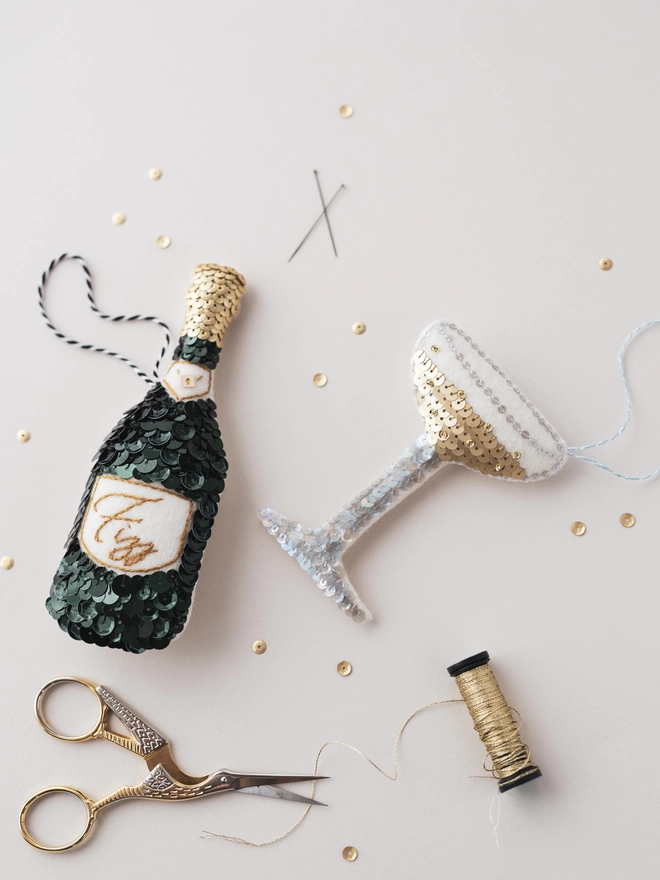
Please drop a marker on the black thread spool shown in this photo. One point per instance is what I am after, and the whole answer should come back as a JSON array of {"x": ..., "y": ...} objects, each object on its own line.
[{"x": 512, "y": 764}]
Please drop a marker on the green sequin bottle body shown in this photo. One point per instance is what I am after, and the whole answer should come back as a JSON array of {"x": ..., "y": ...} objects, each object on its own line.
[{"x": 134, "y": 554}]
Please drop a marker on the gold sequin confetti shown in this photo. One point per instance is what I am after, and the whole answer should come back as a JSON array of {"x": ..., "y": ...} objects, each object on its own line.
[
  {"x": 259, "y": 647},
  {"x": 606, "y": 264},
  {"x": 23, "y": 436},
  {"x": 346, "y": 111},
  {"x": 515, "y": 455},
  {"x": 349, "y": 853},
  {"x": 578, "y": 528},
  {"x": 6, "y": 562},
  {"x": 163, "y": 241},
  {"x": 320, "y": 379},
  {"x": 435, "y": 349},
  {"x": 358, "y": 328},
  {"x": 627, "y": 520},
  {"x": 344, "y": 668},
  {"x": 118, "y": 218},
  {"x": 155, "y": 174}
]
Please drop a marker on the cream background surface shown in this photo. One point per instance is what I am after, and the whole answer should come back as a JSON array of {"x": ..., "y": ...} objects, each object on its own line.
[{"x": 496, "y": 153}]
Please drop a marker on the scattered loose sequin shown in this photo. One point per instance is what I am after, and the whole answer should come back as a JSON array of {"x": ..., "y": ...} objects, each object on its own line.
[
  {"x": 346, "y": 111},
  {"x": 163, "y": 241},
  {"x": 118, "y": 218},
  {"x": 349, "y": 853},
  {"x": 23, "y": 436},
  {"x": 344, "y": 668},
  {"x": 259, "y": 647},
  {"x": 627, "y": 520},
  {"x": 320, "y": 379},
  {"x": 606, "y": 264},
  {"x": 6, "y": 562},
  {"x": 155, "y": 173},
  {"x": 578, "y": 528},
  {"x": 359, "y": 328}
]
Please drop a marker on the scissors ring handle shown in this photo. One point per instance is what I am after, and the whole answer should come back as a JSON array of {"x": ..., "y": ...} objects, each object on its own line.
[
  {"x": 57, "y": 789},
  {"x": 38, "y": 711}
]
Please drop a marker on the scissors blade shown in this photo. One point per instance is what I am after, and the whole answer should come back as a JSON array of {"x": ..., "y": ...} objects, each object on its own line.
[
  {"x": 282, "y": 793},
  {"x": 246, "y": 780}
]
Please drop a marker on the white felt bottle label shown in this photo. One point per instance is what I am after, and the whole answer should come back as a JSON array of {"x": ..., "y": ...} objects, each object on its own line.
[{"x": 135, "y": 527}]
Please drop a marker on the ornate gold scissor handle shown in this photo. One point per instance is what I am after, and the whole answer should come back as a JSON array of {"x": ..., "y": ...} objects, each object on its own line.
[
  {"x": 99, "y": 730},
  {"x": 90, "y": 806}
]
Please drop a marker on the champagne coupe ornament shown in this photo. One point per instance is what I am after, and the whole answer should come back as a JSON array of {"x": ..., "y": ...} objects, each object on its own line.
[
  {"x": 135, "y": 551},
  {"x": 473, "y": 415}
]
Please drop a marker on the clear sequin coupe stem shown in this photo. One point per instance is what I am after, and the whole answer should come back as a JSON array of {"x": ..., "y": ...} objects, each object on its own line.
[{"x": 473, "y": 414}]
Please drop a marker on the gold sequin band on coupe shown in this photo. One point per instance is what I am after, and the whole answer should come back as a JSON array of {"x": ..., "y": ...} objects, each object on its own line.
[{"x": 510, "y": 758}]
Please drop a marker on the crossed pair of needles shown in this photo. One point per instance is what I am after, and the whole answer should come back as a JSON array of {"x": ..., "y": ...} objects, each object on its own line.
[{"x": 322, "y": 215}]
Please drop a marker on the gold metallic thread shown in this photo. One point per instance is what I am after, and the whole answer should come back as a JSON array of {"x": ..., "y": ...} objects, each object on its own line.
[
  {"x": 487, "y": 707},
  {"x": 494, "y": 723},
  {"x": 458, "y": 432},
  {"x": 392, "y": 777},
  {"x": 213, "y": 300}
]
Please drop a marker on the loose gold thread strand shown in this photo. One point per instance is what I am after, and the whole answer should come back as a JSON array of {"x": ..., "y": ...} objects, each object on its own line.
[
  {"x": 493, "y": 722},
  {"x": 210, "y": 834},
  {"x": 495, "y": 822}
]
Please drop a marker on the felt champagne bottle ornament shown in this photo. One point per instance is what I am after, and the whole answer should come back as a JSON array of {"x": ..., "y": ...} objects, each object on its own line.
[{"x": 135, "y": 551}]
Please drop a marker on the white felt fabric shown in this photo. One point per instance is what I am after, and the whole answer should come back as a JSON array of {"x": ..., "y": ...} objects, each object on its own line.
[
  {"x": 186, "y": 381},
  {"x": 135, "y": 527},
  {"x": 516, "y": 422}
]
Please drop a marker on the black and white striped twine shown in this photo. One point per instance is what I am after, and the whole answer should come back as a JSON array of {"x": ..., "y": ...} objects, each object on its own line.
[{"x": 96, "y": 310}]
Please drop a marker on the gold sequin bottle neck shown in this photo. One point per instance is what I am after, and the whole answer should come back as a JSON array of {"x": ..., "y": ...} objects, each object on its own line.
[{"x": 213, "y": 300}]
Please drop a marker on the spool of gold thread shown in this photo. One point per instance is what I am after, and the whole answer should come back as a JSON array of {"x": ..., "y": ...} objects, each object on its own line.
[{"x": 511, "y": 761}]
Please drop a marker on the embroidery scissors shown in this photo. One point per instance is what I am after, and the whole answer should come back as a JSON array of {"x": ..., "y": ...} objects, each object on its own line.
[{"x": 165, "y": 780}]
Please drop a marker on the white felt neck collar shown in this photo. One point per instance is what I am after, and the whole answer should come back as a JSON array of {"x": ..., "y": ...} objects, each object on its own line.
[{"x": 186, "y": 381}]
